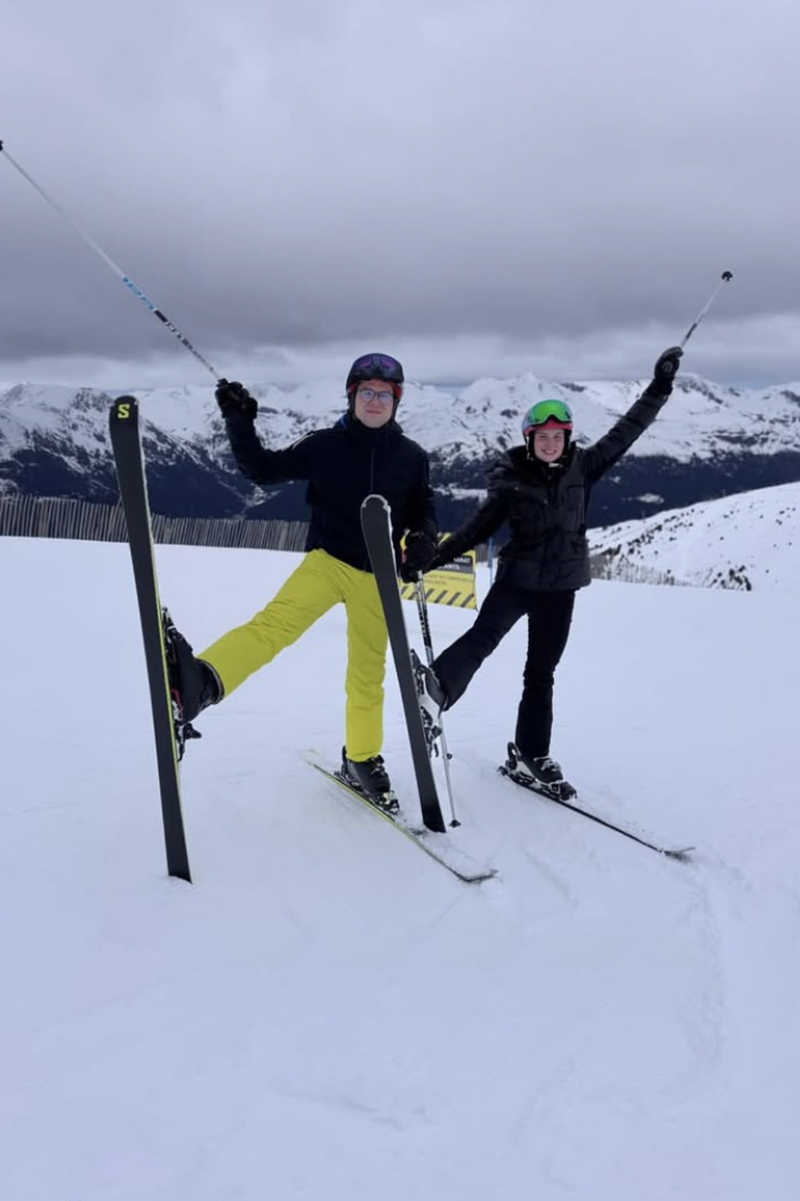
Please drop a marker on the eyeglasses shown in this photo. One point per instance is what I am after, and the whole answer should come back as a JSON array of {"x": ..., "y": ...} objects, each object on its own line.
[
  {"x": 368, "y": 394},
  {"x": 384, "y": 366}
]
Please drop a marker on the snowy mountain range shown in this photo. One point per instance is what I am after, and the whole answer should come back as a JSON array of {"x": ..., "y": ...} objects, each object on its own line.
[
  {"x": 748, "y": 541},
  {"x": 711, "y": 441}
]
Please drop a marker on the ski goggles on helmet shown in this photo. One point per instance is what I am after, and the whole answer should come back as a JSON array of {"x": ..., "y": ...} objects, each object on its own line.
[
  {"x": 375, "y": 366},
  {"x": 554, "y": 414}
]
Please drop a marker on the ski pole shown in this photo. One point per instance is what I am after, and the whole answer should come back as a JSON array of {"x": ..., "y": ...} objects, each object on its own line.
[
  {"x": 422, "y": 608},
  {"x": 727, "y": 276},
  {"x": 120, "y": 274}
]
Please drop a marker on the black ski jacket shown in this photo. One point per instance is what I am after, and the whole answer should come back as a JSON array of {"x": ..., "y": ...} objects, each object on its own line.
[
  {"x": 343, "y": 465},
  {"x": 545, "y": 506}
]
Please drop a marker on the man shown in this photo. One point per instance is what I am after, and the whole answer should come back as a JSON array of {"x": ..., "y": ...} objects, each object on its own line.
[{"x": 364, "y": 452}]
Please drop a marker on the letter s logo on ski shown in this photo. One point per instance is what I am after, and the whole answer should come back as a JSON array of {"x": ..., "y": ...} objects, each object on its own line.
[{"x": 123, "y": 411}]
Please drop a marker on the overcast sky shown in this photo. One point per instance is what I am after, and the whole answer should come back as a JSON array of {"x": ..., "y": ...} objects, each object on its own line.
[{"x": 484, "y": 188}]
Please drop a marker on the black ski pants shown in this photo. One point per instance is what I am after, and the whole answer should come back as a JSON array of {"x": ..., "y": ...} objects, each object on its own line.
[{"x": 549, "y": 618}]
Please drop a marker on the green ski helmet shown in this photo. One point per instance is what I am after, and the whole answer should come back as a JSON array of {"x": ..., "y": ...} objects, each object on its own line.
[{"x": 554, "y": 414}]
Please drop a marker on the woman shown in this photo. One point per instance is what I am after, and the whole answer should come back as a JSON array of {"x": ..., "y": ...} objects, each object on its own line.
[{"x": 542, "y": 490}]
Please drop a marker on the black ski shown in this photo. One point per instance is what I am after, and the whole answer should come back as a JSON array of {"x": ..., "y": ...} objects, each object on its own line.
[
  {"x": 127, "y": 447},
  {"x": 511, "y": 771},
  {"x": 376, "y": 524},
  {"x": 437, "y": 846}
]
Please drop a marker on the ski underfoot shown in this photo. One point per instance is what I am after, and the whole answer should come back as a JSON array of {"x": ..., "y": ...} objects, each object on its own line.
[
  {"x": 553, "y": 793},
  {"x": 437, "y": 846}
]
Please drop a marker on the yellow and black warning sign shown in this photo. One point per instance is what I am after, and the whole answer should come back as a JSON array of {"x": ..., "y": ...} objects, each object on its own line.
[{"x": 451, "y": 585}]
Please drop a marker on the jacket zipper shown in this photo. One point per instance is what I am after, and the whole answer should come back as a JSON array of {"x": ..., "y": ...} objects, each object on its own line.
[{"x": 367, "y": 563}]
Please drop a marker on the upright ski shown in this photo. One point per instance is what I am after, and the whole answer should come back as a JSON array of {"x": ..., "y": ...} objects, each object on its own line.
[
  {"x": 127, "y": 447},
  {"x": 376, "y": 524}
]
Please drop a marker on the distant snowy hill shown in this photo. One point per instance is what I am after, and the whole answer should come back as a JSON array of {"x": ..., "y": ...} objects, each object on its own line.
[
  {"x": 709, "y": 442},
  {"x": 747, "y": 541}
]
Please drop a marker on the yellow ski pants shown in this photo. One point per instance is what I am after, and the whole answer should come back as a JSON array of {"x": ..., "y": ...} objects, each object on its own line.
[{"x": 320, "y": 582}]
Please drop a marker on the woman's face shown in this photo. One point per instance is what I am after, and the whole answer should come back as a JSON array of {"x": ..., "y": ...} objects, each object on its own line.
[{"x": 548, "y": 445}]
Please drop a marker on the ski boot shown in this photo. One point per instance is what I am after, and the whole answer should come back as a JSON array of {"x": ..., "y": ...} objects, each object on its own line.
[
  {"x": 432, "y": 699},
  {"x": 540, "y": 774},
  {"x": 370, "y": 778},
  {"x": 193, "y": 684}
]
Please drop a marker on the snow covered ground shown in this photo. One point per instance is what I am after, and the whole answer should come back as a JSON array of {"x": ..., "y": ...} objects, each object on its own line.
[{"x": 324, "y": 1012}]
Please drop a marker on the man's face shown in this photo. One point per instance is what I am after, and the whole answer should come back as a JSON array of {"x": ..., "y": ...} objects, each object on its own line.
[{"x": 374, "y": 403}]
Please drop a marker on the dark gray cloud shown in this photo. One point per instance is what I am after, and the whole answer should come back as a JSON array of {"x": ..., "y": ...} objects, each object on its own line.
[{"x": 307, "y": 176}]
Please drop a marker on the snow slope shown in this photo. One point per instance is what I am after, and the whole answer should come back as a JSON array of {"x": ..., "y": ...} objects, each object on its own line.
[
  {"x": 746, "y": 541},
  {"x": 324, "y": 1012}
]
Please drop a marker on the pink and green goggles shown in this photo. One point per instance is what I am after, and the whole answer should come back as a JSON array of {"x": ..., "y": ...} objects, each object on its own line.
[{"x": 553, "y": 414}]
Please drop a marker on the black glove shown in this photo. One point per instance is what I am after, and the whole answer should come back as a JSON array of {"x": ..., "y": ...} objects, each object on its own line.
[
  {"x": 665, "y": 370},
  {"x": 419, "y": 554},
  {"x": 235, "y": 401}
]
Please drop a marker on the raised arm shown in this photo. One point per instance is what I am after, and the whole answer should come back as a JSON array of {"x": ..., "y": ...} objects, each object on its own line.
[
  {"x": 258, "y": 464},
  {"x": 612, "y": 446}
]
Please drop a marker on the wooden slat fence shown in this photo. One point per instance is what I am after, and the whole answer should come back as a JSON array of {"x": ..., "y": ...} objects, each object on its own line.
[{"x": 61, "y": 517}]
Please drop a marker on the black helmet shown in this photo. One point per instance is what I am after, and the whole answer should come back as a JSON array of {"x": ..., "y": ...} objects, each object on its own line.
[{"x": 375, "y": 366}]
